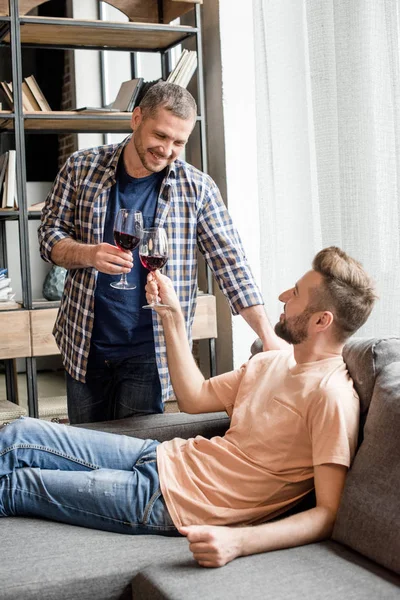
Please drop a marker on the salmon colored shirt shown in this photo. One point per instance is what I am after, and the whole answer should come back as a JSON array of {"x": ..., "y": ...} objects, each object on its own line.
[{"x": 285, "y": 419}]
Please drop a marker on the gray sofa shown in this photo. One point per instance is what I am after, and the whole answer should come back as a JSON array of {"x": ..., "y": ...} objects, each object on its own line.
[{"x": 43, "y": 560}]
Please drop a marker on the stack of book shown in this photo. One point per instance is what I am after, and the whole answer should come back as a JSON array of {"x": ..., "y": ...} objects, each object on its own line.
[
  {"x": 8, "y": 187},
  {"x": 124, "y": 102},
  {"x": 33, "y": 98},
  {"x": 5, "y": 287},
  {"x": 184, "y": 69}
]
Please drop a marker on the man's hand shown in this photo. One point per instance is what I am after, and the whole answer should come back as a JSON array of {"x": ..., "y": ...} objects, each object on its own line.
[
  {"x": 110, "y": 259},
  {"x": 213, "y": 546},
  {"x": 159, "y": 288}
]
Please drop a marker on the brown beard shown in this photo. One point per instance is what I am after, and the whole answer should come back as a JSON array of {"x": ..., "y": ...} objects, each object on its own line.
[
  {"x": 294, "y": 329},
  {"x": 142, "y": 153}
]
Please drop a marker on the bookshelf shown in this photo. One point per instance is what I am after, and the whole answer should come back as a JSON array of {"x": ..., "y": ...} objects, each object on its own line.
[{"x": 149, "y": 29}]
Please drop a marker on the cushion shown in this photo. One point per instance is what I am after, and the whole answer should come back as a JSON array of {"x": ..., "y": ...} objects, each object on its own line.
[
  {"x": 326, "y": 570},
  {"x": 365, "y": 358},
  {"x": 166, "y": 426},
  {"x": 44, "y": 560},
  {"x": 369, "y": 515}
]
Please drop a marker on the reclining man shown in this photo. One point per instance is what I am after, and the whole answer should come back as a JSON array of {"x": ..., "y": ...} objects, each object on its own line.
[{"x": 294, "y": 424}]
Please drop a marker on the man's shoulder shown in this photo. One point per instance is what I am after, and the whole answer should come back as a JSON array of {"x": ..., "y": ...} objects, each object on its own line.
[
  {"x": 95, "y": 156},
  {"x": 186, "y": 172}
]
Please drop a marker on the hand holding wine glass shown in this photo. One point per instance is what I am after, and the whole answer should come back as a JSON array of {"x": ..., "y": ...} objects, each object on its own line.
[
  {"x": 128, "y": 228},
  {"x": 153, "y": 252}
]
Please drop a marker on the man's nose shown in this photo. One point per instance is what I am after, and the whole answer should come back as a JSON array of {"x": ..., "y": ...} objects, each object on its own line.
[
  {"x": 285, "y": 296},
  {"x": 165, "y": 149}
]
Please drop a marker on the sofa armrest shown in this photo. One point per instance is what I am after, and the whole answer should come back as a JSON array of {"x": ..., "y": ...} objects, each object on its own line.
[{"x": 166, "y": 426}]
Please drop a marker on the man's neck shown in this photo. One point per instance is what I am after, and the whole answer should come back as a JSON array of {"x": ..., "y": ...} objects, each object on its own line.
[{"x": 314, "y": 350}]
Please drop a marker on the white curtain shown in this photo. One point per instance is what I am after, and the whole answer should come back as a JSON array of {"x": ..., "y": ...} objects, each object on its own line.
[{"x": 328, "y": 127}]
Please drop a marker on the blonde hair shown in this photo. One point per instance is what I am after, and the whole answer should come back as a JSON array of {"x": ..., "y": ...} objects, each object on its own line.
[{"x": 347, "y": 291}]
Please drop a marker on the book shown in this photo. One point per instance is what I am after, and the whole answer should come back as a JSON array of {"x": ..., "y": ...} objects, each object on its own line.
[
  {"x": 181, "y": 61},
  {"x": 127, "y": 94},
  {"x": 7, "y": 94},
  {"x": 189, "y": 68},
  {"x": 135, "y": 94},
  {"x": 9, "y": 199},
  {"x": 29, "y": 97},
  {"x": 37, "y": 92},
  {"x": 26, "y": 105},
  {"x": 3, "y": 167}
]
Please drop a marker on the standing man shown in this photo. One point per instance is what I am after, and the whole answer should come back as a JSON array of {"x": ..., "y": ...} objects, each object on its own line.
[{"x": 113, "y": 351}]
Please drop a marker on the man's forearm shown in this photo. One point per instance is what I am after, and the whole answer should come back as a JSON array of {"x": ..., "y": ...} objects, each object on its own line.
[
  {"x": 256, "y": 317},
  {"x": 70, "y": 254},
  {"x": 186, "y": 378},
  {"x": 303, "y": 528}
]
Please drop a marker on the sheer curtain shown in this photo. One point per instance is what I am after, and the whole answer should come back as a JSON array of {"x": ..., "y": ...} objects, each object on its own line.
[{"x": 328, "y": 135}]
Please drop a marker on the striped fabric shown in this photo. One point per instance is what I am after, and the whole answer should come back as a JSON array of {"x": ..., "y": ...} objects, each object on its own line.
[{"x": 191, "y": 210}]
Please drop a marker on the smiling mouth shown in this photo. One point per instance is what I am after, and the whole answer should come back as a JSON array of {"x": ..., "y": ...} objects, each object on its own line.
[{"x": 157, "y": 156}]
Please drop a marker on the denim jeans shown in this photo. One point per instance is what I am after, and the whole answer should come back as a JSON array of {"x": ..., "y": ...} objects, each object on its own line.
[
  {"x": 115, "y": 390},
  {"x": 82, "y": 477}
]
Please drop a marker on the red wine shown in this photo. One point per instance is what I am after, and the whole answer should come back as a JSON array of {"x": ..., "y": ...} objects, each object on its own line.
[
  {"x": 153, "y": 262},
  {"x": 126, "y": 241}
]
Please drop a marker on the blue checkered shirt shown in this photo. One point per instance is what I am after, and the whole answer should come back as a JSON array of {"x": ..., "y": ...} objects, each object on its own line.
[{"x": 191, "y": 210}]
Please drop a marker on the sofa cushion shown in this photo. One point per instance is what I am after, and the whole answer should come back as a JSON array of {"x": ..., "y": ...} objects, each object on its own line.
[
  {"x": 43, "y": 560},
  {"x": 166, "y": 426},
  {"x": 326, "y": 570},
  {"x": 369, "y": 518}
]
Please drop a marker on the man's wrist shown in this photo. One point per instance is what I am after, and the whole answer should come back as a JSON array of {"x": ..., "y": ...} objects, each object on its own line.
[{"x": 172, "y": 318}]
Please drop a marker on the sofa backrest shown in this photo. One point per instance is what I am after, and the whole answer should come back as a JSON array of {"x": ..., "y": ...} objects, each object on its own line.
[{"x": 369, "y": 518}]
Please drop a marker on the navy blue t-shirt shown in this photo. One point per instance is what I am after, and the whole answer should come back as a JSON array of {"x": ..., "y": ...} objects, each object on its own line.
[{"x": 122, "y": 329}]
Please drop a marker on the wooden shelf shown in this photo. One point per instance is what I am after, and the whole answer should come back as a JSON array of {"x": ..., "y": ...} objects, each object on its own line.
[
  {"x": 64, "y": 121},
  {"x": 71, "y": 33},
  {"x": 135, "y": 10}
]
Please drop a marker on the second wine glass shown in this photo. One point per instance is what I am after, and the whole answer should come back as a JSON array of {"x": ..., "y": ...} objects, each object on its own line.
[
  {"x": 128, "y": 229},
  {"x": 153, "y": 252}
]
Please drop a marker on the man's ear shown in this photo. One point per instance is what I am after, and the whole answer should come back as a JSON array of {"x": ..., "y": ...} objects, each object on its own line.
[
  {"x": 136, "y": 118},
  {"x": 324, "y": 320}
]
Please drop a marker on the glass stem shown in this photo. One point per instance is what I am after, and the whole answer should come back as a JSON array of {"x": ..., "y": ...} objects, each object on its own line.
[{"x": 123, "y": 279}]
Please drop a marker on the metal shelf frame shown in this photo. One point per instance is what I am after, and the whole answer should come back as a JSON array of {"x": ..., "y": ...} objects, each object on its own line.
[{"x": 17, "y": 123}]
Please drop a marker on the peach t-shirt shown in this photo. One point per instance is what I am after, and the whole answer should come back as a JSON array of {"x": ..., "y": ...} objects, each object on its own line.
[{"x": 285, "y": 418}]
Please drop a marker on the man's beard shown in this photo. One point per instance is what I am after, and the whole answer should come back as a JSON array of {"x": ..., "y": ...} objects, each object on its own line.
[{"x": 294, "y": 329}]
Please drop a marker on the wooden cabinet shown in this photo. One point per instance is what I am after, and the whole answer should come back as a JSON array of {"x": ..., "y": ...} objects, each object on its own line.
[{"x": 15, "y": 339}]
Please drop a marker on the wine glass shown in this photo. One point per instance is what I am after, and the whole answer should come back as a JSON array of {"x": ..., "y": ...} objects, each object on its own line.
[
  {"x": 153, "y": 252},
  {"x": 128, "y": 228}
]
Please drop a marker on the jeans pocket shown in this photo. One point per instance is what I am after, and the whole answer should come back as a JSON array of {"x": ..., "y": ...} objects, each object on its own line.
[{"x": 156, "y": 513}]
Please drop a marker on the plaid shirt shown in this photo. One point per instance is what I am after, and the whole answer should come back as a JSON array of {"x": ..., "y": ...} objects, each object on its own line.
[{"x": 191, "y": 210}]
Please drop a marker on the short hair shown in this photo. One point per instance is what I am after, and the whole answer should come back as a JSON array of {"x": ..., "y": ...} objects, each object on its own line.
[
  {"x": 347, "y": 291},
  {"x": 170, "y": 96}
]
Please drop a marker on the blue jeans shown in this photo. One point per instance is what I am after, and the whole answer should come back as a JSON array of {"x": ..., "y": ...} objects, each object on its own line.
[
  {"x": 115, "y": 390},
  {"x": 82, "y": 477}
]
